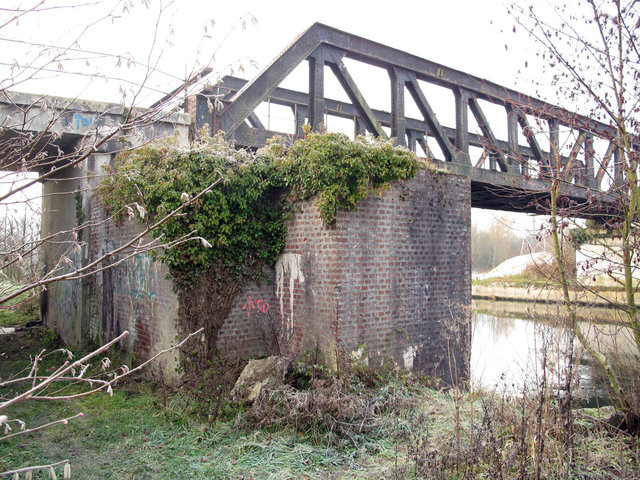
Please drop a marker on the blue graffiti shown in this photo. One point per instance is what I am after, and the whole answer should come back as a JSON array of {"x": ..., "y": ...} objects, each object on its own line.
[
  {"x": 143, "y": 277},
  {"x": 82, "y": 120}
]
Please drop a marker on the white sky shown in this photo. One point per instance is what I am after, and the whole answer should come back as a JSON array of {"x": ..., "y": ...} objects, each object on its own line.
[
  {"x": 470, "y": 35},
  {"x": 463, "y": 34}
]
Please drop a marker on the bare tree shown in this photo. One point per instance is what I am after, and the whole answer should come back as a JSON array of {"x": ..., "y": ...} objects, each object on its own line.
[
  {"x": 18, "y": 232},
  {"x": 45, "y": 139},
  {"x": 591, "y": 53},
  {"x": 48, "y": 136},
  {"x": 492, "y": 246}
]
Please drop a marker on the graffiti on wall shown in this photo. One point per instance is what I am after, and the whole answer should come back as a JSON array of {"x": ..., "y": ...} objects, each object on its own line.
[
  {"x": 142, "y": 277},
  {"x": 82, "y": 121},
  {"x": 259, "y": 305}
]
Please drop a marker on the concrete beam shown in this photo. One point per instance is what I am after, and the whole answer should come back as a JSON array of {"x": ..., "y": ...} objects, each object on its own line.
[{"x": 57, "y": 124}]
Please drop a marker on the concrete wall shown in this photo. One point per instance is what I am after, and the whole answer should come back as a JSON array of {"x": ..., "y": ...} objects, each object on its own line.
[
  {"x": 61, "y": 303},
  {"x": 131, "y": 294}
]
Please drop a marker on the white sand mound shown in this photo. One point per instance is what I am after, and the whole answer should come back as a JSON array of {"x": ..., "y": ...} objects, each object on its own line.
[{"x": 517, "y": 265}]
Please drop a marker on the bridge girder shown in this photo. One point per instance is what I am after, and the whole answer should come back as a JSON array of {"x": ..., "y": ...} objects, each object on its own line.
[{"x": 519, "y": 161}]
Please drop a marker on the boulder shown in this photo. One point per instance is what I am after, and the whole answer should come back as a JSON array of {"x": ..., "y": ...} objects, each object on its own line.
[{"x": 261, "y": 375}]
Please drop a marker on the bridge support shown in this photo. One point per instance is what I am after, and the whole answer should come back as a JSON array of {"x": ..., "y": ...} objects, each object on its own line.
[
  {"x": 388, "y": 282},
  {"x": 61, "y": 303}
]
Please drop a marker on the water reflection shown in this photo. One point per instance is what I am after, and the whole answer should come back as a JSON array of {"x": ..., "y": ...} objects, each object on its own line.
[
  {"x": 509, "y": 345},
  {"x": 502, "y": 350}
]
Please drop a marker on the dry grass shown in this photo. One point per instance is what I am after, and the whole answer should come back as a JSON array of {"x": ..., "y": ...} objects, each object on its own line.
[{"x": 361, "y": 425}]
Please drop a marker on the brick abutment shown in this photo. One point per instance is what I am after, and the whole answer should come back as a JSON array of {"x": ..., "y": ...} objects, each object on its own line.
[{"x": 388, "y": 282}]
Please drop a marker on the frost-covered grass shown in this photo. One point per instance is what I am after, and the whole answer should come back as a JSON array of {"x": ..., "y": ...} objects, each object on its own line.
[{"x": 148, "y": 431}]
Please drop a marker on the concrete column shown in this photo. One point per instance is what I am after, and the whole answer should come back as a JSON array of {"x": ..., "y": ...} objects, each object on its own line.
[{"x": 61, "y": 303}]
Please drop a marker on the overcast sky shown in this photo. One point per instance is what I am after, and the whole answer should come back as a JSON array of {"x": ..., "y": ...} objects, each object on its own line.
[
  {"x": 469, "y": 35},
  {"x": 175, "y": 38}
]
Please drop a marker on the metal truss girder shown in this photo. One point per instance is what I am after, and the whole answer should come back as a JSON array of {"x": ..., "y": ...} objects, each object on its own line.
[
  {"x": 528, "y": 132},
  {"x": 398, "y": 79},
  {"x": 383, "y": 56},
  {"x": 430, "y": 117},
  {"x": 494, "y": 152},
  {"x": 568, "y": 166},
  {"x": 353, "y": 92},
  {"x": 482, "y": 158},
  {"x": 605, "y": 162},
  {"x": 321, "y": 45},
  {"x": 298, "y": 100},
  {"x": 247, "y": 136},
  {"x": 462, "y": 121},
  {"x": 316, "y": 89},
  {"x": 249, "y": 97},
  {"x": 513, "y": 149},
  {"x": 589, "y": 153},
  {"x": 255, "y": 121}
]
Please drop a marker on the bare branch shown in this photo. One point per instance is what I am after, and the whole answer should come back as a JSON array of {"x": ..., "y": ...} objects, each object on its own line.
[
  {"x": 62, "y": 421},
  {"x": 10, "y": 473}
]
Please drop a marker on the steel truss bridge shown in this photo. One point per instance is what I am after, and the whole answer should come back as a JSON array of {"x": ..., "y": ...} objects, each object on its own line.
[{"x": 506, "y": 173}]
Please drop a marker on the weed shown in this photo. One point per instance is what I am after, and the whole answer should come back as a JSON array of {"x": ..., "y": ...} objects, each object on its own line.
[{"x": 363, "y": 424}]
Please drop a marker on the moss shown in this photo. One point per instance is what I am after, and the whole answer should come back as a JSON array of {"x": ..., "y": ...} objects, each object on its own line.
[{"x": 80, "y": 216}]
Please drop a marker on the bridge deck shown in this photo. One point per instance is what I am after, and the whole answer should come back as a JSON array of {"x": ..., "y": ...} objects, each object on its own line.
[{"x": 55, "y": 127}]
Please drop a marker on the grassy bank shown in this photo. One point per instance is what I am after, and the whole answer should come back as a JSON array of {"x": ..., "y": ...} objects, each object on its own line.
[
  {"x": 367, "y": 424},
  {"x": 537, "y": 278},
  {"x": 24, "y": 309},
  {"x": 546, "y": 294}
]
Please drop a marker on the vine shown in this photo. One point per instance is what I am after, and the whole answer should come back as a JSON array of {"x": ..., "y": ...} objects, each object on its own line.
[
  {"x": 341, "y": 171},
  {"x": 243, "y": 218}
]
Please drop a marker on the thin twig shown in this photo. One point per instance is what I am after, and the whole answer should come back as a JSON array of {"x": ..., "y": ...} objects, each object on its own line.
[
  {"x": 35, "y": 429},
  {"x": 8, "y": 473}
]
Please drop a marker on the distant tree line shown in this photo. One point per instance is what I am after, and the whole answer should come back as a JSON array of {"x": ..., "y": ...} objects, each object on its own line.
[
  {"x": 19, "y": 236},
  {"x": 491, "y": 247}
]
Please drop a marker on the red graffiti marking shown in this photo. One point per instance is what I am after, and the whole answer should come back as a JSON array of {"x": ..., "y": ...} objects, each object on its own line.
[
  {"x": 264, "y": 308},
  {"x": 260, "y": 305}
]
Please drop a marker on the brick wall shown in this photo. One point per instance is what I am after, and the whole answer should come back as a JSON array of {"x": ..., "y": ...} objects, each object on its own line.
[
  {"x": 391, "y": 279},
  {"x": 250, "y": 328},
  {"x": 133, "y": 295},
  {"x": 387, "y": 280}
]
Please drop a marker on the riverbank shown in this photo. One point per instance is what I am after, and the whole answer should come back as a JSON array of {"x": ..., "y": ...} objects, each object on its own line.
[
  {"x": 540, "y": 294},
  {"x": 545, "y": 301},
  {"x": 533, "y": 310}
]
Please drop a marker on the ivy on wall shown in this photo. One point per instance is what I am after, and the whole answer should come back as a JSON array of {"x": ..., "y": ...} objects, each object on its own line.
[
  {"x": 341, "y": 171},
  {"x": 244, "y": 217}
]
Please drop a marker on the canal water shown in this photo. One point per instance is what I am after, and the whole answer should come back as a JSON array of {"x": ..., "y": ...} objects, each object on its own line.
[{"x": 512, "y": 340}]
